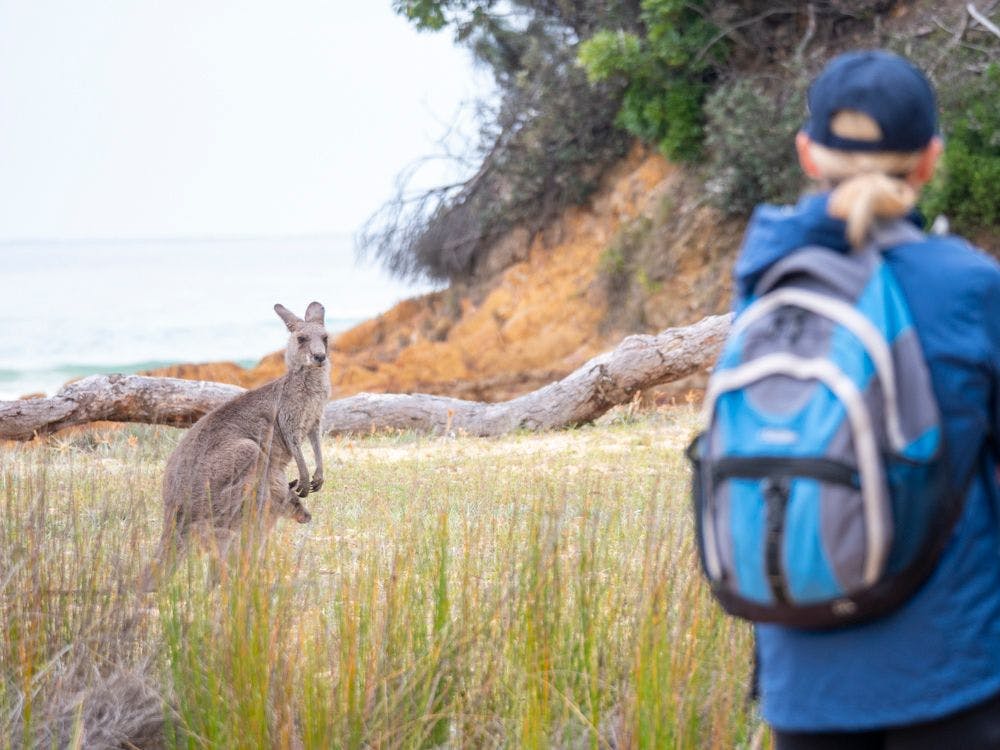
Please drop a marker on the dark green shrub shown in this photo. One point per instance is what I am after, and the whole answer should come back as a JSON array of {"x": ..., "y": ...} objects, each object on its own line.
[
  {"x": 666, "y": 71},
  {"x": 966, "y": 186},
  {"x": 751, "y": 144}
]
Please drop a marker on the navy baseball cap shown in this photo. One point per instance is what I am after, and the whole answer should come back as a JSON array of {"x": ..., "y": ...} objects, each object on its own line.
[{"x": 884, "y": 86}]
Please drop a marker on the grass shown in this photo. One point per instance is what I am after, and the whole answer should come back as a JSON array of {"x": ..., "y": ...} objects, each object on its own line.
[{"x": 524, "y": 592}]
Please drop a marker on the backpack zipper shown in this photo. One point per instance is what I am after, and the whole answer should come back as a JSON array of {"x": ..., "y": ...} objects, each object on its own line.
[{"x": 776, "y": 494}]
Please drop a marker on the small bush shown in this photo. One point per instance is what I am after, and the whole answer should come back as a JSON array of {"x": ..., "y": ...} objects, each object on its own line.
[
  {"x": 666, "y": 72},
  {"x": 622, "y": 270},
  {"x": 965, "y": 188},
  {"x": 751, "y": 144},
  {"x": 614, "y": 268}
]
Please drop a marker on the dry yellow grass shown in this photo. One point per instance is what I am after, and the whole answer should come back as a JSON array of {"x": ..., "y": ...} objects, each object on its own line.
[{"x": 528, "y": 591}]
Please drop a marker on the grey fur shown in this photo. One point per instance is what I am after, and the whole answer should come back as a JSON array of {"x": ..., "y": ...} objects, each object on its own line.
[{"x": 239, "y": 451}]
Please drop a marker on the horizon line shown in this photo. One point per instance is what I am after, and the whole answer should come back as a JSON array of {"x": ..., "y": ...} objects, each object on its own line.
[{"x": 177, "y": 238}]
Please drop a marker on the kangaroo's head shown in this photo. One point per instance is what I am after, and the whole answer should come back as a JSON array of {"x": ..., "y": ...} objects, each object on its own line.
[{"x": 307, "y": 344}]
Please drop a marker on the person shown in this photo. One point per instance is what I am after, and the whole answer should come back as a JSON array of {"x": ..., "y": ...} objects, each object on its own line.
[{"x": 927, "y": 675}]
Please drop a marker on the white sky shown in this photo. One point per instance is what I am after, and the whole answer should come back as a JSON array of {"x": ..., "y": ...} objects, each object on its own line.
[{"x": 160, "y": 118}]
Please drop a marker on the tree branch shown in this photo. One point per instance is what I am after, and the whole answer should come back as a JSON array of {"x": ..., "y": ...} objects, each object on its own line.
[
  {"x": 733, "y": 27},
  {"x": 952, "y": 43},
  {"x": 810, "y": 32}
]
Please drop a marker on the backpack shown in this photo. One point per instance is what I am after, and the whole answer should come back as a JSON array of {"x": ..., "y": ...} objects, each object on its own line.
[{"x": 819, "y": 483}]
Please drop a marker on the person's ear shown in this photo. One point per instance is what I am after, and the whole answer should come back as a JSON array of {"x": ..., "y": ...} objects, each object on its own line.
[
  {"x": 805, "y": 158},
  {"x": 924, "y": 170}
]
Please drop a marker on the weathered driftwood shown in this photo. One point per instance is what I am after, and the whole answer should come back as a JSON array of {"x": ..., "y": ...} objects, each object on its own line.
[
  {"x": 612, "y": 378},
  {"x": 114, "y": 398}
]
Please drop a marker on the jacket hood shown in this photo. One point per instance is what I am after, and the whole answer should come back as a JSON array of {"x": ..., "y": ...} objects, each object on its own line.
[{"x": 776, "y": 231}]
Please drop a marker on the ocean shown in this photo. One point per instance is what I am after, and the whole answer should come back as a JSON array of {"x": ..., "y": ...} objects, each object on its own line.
[{"x": 73, "y": 308}]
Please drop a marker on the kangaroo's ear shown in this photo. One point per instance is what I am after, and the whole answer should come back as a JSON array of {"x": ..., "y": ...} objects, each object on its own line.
[
  {"x": 291, "y": 319},
  {"x": 315, "y": 313}
]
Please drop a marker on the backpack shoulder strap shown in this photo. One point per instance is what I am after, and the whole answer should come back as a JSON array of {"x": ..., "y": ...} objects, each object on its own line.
[{"x": 889, "y": 234}]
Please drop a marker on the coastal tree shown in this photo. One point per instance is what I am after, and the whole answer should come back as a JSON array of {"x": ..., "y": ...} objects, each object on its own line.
[{"x": 544, "y": 143}]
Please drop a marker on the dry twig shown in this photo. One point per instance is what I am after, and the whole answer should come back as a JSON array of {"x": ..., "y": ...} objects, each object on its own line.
[
  {"x": 807, "y": 37},
  {"x": 983, "y": 20}
]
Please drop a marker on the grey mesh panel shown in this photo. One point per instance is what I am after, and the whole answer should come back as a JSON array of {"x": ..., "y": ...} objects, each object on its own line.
[
  {"x": 842, "y": 531},
  {"x": 918, "y": 411},
  {"x": 777, "y": 394},
  {"x": 840, "y": 447},
  {"x": 813, "y": 333}
]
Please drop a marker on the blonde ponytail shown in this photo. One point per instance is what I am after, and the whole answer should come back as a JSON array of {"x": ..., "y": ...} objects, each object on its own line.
[
  {"x": 865, "y": 187},
  {"x": 861, "y": 199}
]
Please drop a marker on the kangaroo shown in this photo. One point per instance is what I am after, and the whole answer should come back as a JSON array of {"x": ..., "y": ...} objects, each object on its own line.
[{"x": 237, "y": 453}]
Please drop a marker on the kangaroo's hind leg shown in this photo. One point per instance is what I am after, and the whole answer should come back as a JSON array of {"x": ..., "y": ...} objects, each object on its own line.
[
  {"x": 237, "y": 477},
  {"x": 185, "y": 503},
  {"x": 205, "y": 507},
  {"x": 239, "y": 502},
  {"x": 172, "y": 546}
]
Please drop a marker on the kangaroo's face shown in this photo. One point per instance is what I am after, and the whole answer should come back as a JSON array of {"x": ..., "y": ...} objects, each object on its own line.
[
  {"x": 307, "y": 342},
  {"x": 307, "y": 346}
]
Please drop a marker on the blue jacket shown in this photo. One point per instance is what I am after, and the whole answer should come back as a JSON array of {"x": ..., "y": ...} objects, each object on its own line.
[{"x": 940, "y": 652}]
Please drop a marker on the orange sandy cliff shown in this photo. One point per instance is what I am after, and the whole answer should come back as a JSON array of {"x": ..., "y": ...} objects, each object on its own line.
[{"x": 537, "y": 319}]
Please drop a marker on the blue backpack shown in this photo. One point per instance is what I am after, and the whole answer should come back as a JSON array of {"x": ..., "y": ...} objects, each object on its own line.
[{"x": 819, "y": 482}]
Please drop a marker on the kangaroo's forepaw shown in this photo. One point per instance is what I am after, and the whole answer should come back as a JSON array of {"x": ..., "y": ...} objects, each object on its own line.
[
  {"x": 298, "y": 487},
  {"x": 316, "y": 483}
]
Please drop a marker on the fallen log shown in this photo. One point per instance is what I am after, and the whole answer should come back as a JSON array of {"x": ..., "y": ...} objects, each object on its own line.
[
  {"x": 114, "y": 398},
  {"x": 609, "y": 379}
]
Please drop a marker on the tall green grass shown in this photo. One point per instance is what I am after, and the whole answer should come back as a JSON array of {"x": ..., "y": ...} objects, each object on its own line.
[{"x": 525, "y": 592}]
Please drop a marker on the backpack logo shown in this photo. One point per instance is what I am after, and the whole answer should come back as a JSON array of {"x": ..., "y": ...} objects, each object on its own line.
[
  {"x": 777, "y": 436},
  {"x": 818, "y": 483}
]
